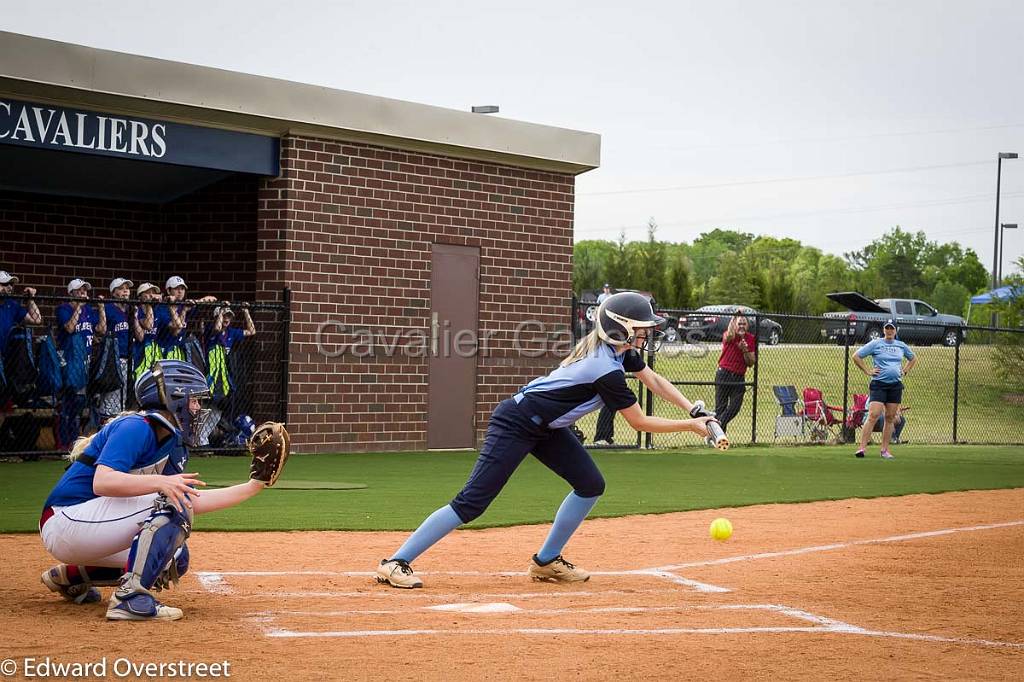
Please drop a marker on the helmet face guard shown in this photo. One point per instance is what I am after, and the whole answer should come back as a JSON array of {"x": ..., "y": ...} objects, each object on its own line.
[{"x": 171, "y": 385}]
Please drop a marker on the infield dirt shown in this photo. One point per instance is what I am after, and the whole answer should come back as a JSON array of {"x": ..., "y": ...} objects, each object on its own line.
[{"x": 812, "y": 591}]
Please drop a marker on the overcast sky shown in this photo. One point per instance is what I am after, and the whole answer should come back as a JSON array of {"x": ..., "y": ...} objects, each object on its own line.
[{"x": 821, "y": 120}]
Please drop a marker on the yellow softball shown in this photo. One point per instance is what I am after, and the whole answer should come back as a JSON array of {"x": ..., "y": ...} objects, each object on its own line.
[{"x": 720, "y": 529}]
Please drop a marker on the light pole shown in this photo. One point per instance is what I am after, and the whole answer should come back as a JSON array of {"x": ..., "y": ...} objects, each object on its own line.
[
  {"x": 1002, "y": 230},
  {"x": 997, "y": 256}
]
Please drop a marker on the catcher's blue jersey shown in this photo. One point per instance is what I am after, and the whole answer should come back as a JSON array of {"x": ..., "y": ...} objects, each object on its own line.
[{"x": 126, "y": 444}]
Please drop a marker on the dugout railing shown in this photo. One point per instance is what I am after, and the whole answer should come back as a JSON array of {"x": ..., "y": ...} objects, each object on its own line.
[
  {"x": 971, "y": 391},
  {"x": 42, "y": 409}
]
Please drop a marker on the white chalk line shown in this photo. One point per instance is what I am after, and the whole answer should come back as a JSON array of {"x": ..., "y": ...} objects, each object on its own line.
[
  {"x": 473, "y": 608},
  {"x": 853, "y": 630},
  {"x": 834, "y": 546},
  {"x": 402, "y": 595},
  {"x": 214, "y": 581}
]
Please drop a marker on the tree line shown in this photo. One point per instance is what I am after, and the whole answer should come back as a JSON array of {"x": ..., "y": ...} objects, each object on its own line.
[{"x": 780, "y": 275}]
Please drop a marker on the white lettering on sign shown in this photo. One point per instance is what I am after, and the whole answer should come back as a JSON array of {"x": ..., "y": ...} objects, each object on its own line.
[{"x": 62, "y": 128}]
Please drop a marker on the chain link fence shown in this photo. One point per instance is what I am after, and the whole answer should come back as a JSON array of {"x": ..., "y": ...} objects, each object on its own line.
[
  {"x": 60, "y": 378},
  {"x": 804, "y": 386}
]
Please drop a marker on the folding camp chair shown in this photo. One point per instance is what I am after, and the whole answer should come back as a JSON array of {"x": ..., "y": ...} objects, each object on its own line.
[
  {"x": 820, "y": 418},
  {"x": 789, "y": 422}
]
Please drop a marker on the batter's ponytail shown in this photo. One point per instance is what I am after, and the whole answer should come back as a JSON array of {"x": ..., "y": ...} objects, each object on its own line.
[{"x": 587, "y": 345}]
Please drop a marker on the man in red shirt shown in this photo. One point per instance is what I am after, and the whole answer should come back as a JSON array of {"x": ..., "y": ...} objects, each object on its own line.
[{"x": 737, "y": 354}]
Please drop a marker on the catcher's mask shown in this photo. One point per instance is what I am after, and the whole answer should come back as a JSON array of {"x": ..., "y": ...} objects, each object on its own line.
[
  {"x": 171, "y": 385},
  {"x": 622, "y": 315}
]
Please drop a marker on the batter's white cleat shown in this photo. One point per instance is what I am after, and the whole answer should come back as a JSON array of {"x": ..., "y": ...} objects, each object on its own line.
[
  {"x": 140, "y": 606},
  {"x": 558, "y": 570},
  {"x": 397, "y": 573},
  {"x": 56, "y": 580}
]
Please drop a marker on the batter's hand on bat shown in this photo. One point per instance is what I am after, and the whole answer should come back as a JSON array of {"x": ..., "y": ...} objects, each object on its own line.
[{"x": 700, "y": 426}]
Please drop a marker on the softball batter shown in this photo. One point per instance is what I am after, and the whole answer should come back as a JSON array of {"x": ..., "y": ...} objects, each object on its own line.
[
  {"x": 121, "y": 513},
  {"x": 536, "y": 421}
]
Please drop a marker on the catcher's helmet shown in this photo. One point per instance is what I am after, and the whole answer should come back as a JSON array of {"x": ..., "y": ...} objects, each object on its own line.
[
  {"x": 168, "y": 385},
  {"x": 620, "y": 315}
]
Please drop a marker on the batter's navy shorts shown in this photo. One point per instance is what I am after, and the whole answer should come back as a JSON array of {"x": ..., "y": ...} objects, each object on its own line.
[
  {"x": 512, "y": 434},
  {"x": 886, "y": 391}
]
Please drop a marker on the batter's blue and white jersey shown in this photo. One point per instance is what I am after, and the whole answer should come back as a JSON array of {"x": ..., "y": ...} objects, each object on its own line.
[
  {"x": 568, "y": 393},
  {"x": 888, "y": 358},
  {"x": 127, "y": 444}
]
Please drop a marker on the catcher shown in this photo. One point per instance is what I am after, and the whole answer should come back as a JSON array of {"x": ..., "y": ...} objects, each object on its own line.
[{"x": 122, "y": 511}]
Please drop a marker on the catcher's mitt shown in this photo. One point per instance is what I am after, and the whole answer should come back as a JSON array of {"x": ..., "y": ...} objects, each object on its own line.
[{"x": 269, "y": 447}]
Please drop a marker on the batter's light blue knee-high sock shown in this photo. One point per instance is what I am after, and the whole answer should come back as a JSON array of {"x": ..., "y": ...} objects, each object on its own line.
[
  {"x": 569, "y": 517},
  {"x": 433, "y": 528}
]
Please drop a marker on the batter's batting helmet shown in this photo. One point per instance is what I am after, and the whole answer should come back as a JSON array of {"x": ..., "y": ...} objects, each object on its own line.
[{"x": 620, "y": 315}]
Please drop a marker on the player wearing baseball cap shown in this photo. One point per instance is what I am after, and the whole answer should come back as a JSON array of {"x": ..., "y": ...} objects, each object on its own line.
[
  {"x": 147, "y": 349},
  {"x": 111, "y": 404},
  {"x": 12, "y": 311},
  {"x": 886, "y": 387},
  {"x": 536, "y": 421},
  {"x": 172, "y": 319},
  {"x": 77, "y": 322}
]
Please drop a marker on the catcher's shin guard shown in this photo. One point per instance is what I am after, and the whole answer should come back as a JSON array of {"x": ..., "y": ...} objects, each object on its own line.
[{"x": 157, "y": 558}]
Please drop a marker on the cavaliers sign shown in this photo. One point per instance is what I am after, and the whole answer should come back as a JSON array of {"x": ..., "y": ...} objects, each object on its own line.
[{"x": 74, "y": 130}]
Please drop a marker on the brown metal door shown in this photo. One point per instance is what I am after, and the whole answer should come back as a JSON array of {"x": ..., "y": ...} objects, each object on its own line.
[{"x": 454, "y": 316}]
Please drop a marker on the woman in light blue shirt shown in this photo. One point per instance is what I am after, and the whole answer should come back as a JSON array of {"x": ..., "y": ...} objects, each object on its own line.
[{"x": 886, "y": 387}]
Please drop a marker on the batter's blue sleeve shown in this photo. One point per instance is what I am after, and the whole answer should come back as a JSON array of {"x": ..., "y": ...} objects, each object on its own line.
[{"x": 632, "y": 362}]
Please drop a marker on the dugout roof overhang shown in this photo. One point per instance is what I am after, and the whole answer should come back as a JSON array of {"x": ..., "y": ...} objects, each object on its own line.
[{"x": 86, "y": 81}]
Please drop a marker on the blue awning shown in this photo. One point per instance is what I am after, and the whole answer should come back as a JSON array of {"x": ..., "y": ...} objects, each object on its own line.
[{"x": 1000, "y": 294}]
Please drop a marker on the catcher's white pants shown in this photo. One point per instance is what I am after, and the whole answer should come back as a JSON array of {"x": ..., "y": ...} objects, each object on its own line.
[{"x": 98, "y": 532}]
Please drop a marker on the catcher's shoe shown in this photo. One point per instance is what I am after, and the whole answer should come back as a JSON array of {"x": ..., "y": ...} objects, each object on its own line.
[
  {"x": 558, "y": 570},
  {"x": 397, "y": 573},
  {"x": 140, "y": 606},
  {"x": 56, "y": 579}
]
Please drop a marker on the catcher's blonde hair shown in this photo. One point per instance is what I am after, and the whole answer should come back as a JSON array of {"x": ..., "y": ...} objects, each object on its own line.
[{"x": 82, "y": 442}]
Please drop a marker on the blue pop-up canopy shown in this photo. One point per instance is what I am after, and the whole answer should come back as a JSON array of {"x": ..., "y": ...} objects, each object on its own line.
[{"x": 1000, "y": 294}]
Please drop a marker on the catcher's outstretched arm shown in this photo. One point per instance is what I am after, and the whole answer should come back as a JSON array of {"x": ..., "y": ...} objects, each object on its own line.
[{"x": 222, "y": 498}]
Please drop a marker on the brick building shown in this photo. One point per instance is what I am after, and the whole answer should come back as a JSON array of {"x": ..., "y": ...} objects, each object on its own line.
[{"x": 430, "y": 230}]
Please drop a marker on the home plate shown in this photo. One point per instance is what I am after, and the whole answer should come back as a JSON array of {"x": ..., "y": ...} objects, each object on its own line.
[{"x": 493, "y": 607}]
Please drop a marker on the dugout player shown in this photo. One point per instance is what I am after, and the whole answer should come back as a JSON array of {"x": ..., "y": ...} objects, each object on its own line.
[
  {"x": 110, "y": 404},
  {"x": 172, "y": 319},
  {"x": 121, "y": 513},
  {"x": 12, "y": 312},
  {"x": 886, "y": 387},
  {"x": 537, "y": 420},
  {"x": 146, "y": 347}
]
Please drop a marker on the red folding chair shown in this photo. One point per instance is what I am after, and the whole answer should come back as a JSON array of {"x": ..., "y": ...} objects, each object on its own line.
[{"x": 820, "y": 417}]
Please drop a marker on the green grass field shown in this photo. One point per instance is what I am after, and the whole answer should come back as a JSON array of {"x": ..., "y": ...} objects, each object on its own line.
[
  {"x": 402, "y": 488},
  {"x": 989, "y": 410}
]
